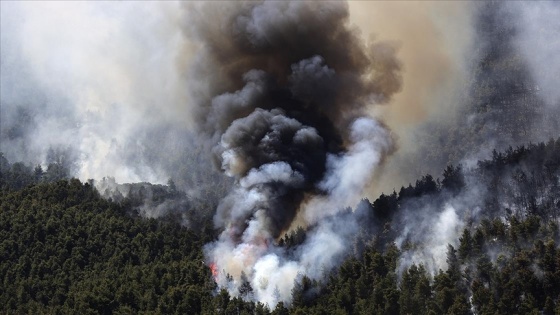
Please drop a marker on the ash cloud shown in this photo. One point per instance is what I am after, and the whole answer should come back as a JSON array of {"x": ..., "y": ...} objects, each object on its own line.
[{"x": 285, "y": 104}]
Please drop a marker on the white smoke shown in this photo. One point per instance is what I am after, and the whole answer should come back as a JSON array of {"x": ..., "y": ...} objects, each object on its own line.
[
  {"x": 349, "y": 174},
  {"x": 431, "y": 236},
  {"x": 270, "y": 270},
  {"x": 101, "y": 79}
]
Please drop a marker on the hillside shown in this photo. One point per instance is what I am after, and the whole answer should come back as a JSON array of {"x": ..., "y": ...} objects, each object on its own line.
[{"x": 67, "y": 250}]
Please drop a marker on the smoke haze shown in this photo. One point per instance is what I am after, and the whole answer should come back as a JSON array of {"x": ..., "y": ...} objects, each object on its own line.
[{"x": 86, "y": 77}]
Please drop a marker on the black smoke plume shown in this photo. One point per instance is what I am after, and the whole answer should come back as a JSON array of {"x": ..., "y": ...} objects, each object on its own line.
[{"x": 285, "y": 108}]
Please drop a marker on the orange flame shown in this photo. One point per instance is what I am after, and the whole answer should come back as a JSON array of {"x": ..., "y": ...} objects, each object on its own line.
[{"x": 214, "y": 270}]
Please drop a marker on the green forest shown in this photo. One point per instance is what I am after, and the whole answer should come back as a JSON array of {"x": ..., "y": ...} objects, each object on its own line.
[{"x": 67, "y": 250}]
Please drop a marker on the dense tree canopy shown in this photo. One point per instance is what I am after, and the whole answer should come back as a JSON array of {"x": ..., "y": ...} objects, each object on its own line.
[{"x": 65, "y": 249}]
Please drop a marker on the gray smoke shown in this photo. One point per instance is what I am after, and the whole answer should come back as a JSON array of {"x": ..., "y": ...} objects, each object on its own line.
[{"x": 285, "y": 102}]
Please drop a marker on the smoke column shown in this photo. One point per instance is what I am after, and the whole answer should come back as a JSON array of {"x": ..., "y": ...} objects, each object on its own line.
[{"x": 286, "y": 106}]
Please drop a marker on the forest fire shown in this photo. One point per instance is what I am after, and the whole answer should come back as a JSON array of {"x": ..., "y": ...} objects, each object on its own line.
[
  {"x": 321, "y": 157},
  {"x": 291, "y": 140}
]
